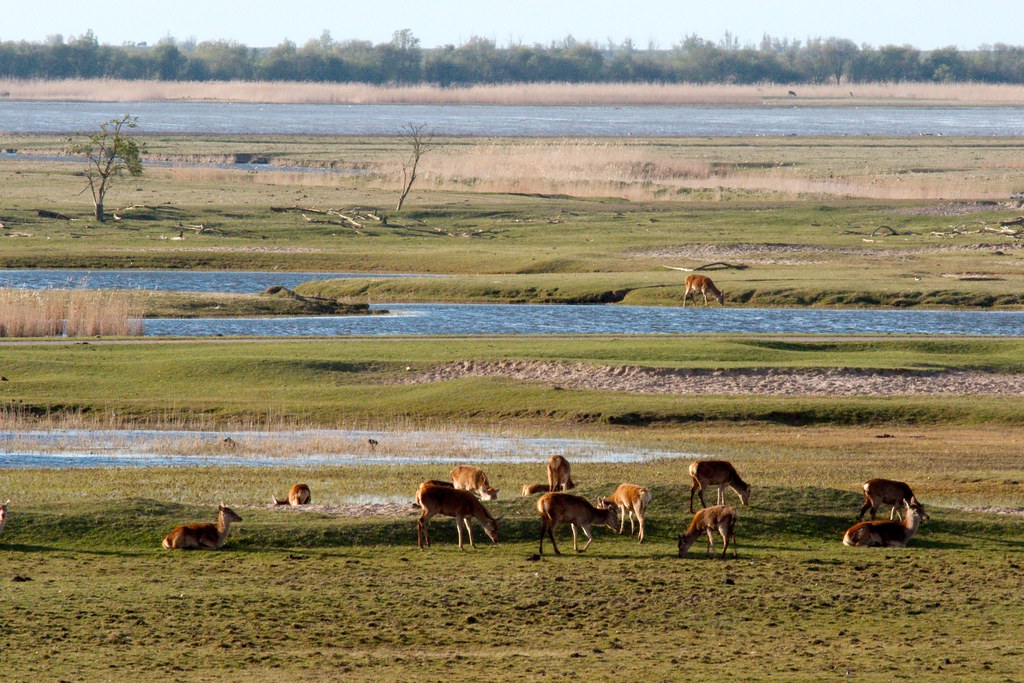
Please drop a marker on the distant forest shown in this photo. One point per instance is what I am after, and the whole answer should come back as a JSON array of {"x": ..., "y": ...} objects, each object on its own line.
[{"x": 402, "y": 61}]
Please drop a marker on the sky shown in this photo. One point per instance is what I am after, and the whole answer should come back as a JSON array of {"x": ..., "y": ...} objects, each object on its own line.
[{"x": 925, "y": 24}]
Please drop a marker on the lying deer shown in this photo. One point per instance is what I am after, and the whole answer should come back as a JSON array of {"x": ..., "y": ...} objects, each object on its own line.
[
  {"x": 298, "y": 495},
  {"x": 887, "y": 534},
  {"x": 719, "y": 473},
  {"x": 565, "y": 508},
  {"x": 720, "y": 518},
  {"x": 889, "y": 492},
  {"x": 469, "y": 478},
  {"x": 530, "y": 489},
  {"x": 631, "y": 500},
  {"x": 3, "y": 514},
  {"x": 203, "y": 536},
  {"x": 704, "y": 285},
  {"x": 559, "y": 474},
  {"x": 452, "y": 502}
]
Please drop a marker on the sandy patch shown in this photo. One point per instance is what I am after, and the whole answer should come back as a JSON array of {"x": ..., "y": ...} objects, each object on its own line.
[{"x": 794, "y": 254}]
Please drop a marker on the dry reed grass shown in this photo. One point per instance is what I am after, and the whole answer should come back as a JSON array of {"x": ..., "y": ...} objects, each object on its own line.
[
  {"x": 110, "y": 90},
  {"x": 68, "y": 313}
]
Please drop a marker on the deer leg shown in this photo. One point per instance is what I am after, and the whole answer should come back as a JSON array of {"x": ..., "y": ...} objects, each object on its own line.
[
  {"x": 699, "y": 489},
  {"x": 711, "y": 543},
  {"x": 725, "y": 539},
  {"x": 469, "y": 530},
  {"x": 551, "y": 534},
  {"x": 622, "y": 522},
  {"x": 630, "y": 522},
  {"x": 573, "y": 527},
  {"x": 543, "y": 530},
  {"x": 864, "y": 508},
  {"x": 458, "y": 529},
  {"x": 640, "y": 522},
  {"x": 586, "y": 532}
]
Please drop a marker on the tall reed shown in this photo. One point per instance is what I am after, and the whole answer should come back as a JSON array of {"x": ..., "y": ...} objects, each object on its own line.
[{"x": 68, "y": 313}]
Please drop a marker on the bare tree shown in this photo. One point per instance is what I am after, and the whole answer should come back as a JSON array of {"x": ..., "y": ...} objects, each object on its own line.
[
  {"x": 419, "y": 141},
  {"x": 110, "y": 154}
]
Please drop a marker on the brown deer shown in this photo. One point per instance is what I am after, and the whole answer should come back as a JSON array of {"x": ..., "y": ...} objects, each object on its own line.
[
  {"x": 719, "y": 473},
  {"x": 886, "y": 534},
  {"x": 565, "y": 508},
  {"x": 452, "y": 502},
  {"x": 203, "y": 536},
  {"x": 530, "y": 489},
  {"x": 298, "y": 495},
  {"x": 720, "y": 518},
  {"x": 3, "y": 514},
  {"x": 559, "y": 474},
  {"x": 889, "y": 492},
  {"x": 704, "y": 285},
  {"x": 469, "y": 478},
  {"x": 631, "y": 500}
]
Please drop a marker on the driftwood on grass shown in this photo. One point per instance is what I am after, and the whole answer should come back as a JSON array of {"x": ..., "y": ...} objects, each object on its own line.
[
  {"x": 717, "y": 265},
  {"x": 46, "y": 213},
  {"x": 1016, "y": 221}
]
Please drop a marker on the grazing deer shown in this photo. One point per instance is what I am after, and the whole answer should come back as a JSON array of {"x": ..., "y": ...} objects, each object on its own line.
[
  {"x": 630, "y": 500},
  {"x": 720, "y": 518},
  {"x": 298, "y": 495},
  {"x": 886, "y": 534},
  {"x": 565, "y": 508},
  {"x": 469, "y": 478},
  {"x": 203, "y": 536},
  {"x": 720, "y": 473},
  {"x": 3, "y": 514},
  {"x": 895, "y": 493},
  {"x": 704, "y": 285},
  {"x": 452, "y": 502},
  {"x": 559, "y": 474},
  {"x": 530, "y": 489}
]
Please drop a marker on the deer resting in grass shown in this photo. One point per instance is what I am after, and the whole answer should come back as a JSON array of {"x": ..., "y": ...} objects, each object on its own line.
[
  {"x": 704, "y": 285},
  {"x": 452, "y": 502},
  {"x": 203, "y": 536},
  {"x": 718, "y": 473},
  {"x": 889, "y": 492},
  {"x": 565, "y": 508},
  {"x": 298, "y": 495},
  {"x": 631, "y": 500},
  {"x": 886, "y": 534},
  {"x": 530, "y": 489},
  {"x": 559, "y": 474},
  {"x": 720, "y": 518},
  {"x": 469, "y": 478}
]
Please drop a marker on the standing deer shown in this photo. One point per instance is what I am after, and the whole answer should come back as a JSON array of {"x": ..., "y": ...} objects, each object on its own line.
[
  {"x": 559, "y": 474},
  {"x": 469, "y": 478},
  {"x": 452, "y": 502},
  {"x": 704, "y": 285},
  {"x": 889, "y": 492},
  {"x": 3, "y": 514},
  {"x": 565, "y": 508},
  {"x": 298, "y": 495},
  {"x": 630, "y": 500},
  {"x": 886, "y": 534},
  {"x": 203, "y": 536},
  {"x": 720, "y": 518},
  {"x": 720, "y": 473}
]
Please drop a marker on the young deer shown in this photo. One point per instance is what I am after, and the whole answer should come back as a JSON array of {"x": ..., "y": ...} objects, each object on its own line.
[
  {"x": 298, "y": 495},
  {"x": 559, "y": 474},
  {"x": 203, "y": 536},
  {"x": 704, "y": 285},
  {"x": 887, "y": 534},
  {"x": 565, "y": 508},
  {"x": 889, "y": 492},
  {"x": 720, "y": 518},
  {"x": 530, "y": 489},
  {"x": 719, "y": 473},
  {"x": 469, "y": 478},
  {"x": 630, "y": 500},
  {"x": 452, "y": 502},
  {"x": 3, "y": 514}
]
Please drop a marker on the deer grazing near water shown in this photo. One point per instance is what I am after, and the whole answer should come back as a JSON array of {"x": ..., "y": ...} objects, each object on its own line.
[
  {"x": 889, "y": 492},
  {"x": 452, "y": 502},
  {"x": 720, "y": 518},
  {"x": 565, "y": 508},
  {"x": 704, "y": 285},
  {"x": 631, "y": 500},
  {"x": 720, "y": 473},
  {"x": 203, "y": 536},
  {"x": 298, "y": 495},
  {"x": 469, "y": 478},
  {"x": 886, "y": 534},
  {"x": 559, "y": 474},
  {"x": 3, "y": 514}
]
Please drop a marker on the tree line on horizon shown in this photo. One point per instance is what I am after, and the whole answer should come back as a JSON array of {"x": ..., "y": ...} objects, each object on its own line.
[{"x": 402, "y": 61}]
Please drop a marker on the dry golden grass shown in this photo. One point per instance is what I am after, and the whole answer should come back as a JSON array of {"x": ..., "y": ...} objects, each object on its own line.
[{"x": 68, "y": 313}]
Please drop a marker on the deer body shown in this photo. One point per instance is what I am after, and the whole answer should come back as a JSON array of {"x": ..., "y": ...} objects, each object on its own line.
[
  {"x": 530, "y": 489},
  {"x": 203, "y": 536},
  {"x": 452, "y": 502},
  {"x": 719, "y": 473},
  {"x": 559, "y": 474},
  {"x": 298, "y": 495},
  {"x": 3, "y": 514},
  {"x": 889, "y": 492},
  {"x": 704, "y": 285},
  {"x": 720, "y": 518},
  {"x": 886, "y": 534},
  {"x": 565, "y": 508},
  {"x": 631, "y": 500},
  {"x": 469, "y": 478}
]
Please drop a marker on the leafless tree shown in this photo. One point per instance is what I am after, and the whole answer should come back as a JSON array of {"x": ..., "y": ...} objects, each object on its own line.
[{"x": 419, "y": 141}]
